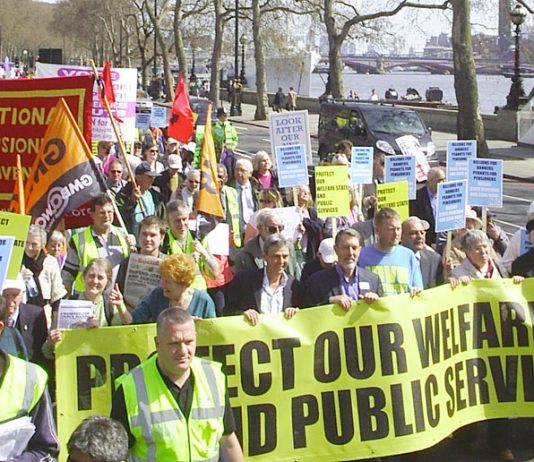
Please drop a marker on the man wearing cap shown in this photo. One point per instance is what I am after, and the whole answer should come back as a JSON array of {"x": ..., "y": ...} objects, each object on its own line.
[
  {"x": 136, "y": 203},
  {"x": 345, "y": 282},
  {"x": 170, "y": 179},
  {"x": 171, "y": 146},
  {"x": 224, "y": 133},
  {"x": 524, "y": 264},
  {"x": 413, "y": 236},
  {"x": 101, "y": 239},
  {"x": 326, "y": 258},
  {"x": 23, "y": 392},
  {"x": 29, "y": 320},
  {"x": 424, "y": 205}
]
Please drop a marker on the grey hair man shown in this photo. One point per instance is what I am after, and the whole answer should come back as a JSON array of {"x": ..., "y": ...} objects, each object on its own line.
[{"x": 98, "y": 439}]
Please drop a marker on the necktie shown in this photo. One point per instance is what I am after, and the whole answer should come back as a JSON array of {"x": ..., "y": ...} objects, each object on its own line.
[{"x": 244, "y": 204}]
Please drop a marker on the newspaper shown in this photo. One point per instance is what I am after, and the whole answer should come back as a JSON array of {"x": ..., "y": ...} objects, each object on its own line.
[
  {"x": 15, "y": 436},
  {"x": 142, "y": 276}
]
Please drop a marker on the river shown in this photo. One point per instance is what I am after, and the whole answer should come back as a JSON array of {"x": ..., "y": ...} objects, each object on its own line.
[{"x": 492, "y": 89}]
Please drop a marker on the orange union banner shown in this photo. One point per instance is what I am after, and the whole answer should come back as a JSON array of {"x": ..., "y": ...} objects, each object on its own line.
[{"x": 26, "y": 108}]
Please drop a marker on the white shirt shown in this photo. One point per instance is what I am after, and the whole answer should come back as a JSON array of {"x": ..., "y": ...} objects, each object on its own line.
[
  {"x": 246, "y": 201},
  {"x": 272, "y": 301}
]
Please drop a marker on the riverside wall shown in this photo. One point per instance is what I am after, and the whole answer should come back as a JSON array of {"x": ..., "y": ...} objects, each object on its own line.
[{"x": 502, "y": 126}]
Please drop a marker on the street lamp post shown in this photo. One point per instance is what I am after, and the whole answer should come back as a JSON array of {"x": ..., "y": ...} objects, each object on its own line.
[
  {"x": 193, "y": 75},
  {"x": 243, "y": 40},
  {"x": 517, "y": 94},
  {"x": 155, "y": 67},
  {"x": 233, "y": 104}
]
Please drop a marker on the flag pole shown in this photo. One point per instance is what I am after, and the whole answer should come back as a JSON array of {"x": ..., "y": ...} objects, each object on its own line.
[
  {"x": 122, "y": 148},
  {"x": 20, "y": 188}
]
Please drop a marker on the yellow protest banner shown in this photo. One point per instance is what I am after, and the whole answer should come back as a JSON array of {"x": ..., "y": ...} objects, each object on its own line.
[
  {"x": 394, "y": 195},
  {"x": 13, "y": 224},
  {"x": 332, "y": 191},
  {"x": 392, "y": 377}
]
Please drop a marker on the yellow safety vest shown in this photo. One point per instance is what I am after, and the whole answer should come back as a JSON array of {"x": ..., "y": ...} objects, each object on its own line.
[
  {"x": 161, "y": 431},
  {"x": 87, "y": 250},
  {"x": 23, "y": 385},
  {"x": 232, "y": 213},
  {"x": 174, "y": 248}
]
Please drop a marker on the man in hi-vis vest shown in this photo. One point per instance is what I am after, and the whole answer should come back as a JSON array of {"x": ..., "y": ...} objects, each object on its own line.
[
  {"x": 175, "y": 405},
  {"x": 23, "y": 393},
  {"x": 100, "y": 240}
]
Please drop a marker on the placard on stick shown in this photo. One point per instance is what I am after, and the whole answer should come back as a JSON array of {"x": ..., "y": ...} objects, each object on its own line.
[
  {"x": 450, "y": 208},
  {"x": 13, "y": 224},
  {"x": 485, "y": 182},
  {"x": 401, "y": 168},
  {"x": 332, "y": 191},
  {"x": 395, "y": 196},
  {"x": 291, "y": 165},
  {"x": 290, "y": 128},
  {"x": 458, "y": 155},
  {"x": 361, "y": 165}
]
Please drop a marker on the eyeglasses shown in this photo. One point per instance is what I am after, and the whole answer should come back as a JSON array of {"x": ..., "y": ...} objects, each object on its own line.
[
  {"x": 275, "y": 228},
  {"x": 153, "y": 150}
]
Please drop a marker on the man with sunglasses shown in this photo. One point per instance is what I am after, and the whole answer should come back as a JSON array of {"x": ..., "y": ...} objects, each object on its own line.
[
  {"x": 114, "y": 181},
  {"x": 268, "y": 222}
]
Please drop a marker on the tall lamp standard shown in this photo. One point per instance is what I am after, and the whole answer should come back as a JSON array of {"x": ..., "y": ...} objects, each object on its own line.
[
  {"x": 517, "y": 93},
  {"x": 193, "y": 75},
  {"x": 155, "y": 68},
  {"x": 243, "y": 40},
  {"x": 233, "y": 104}
]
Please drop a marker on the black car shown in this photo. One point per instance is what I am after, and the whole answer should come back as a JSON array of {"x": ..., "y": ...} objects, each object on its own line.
[
  {"x": 367, "y": 124},
  {"x": 200, "y": 106}
]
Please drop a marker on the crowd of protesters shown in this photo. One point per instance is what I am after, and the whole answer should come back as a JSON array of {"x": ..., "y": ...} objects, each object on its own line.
[{"x": 372, "y": 254}]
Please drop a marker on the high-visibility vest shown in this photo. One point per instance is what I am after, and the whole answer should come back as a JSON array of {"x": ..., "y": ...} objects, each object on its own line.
[
  {"x": 224, "y": 134},
  {"x": 87, "y": 250},
  {"x": 23, "y": 386},
  {"x": 174, "y": 248},
  {"x": 161, "y": 431},
  {"x": 232, "y": 213}
]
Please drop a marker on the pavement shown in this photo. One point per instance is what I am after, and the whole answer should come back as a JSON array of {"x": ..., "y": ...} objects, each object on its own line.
[{"x": 518, "y": 161}]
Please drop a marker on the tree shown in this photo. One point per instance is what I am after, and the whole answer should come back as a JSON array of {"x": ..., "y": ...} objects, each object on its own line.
[
  {"x": 469, "y": 124},
  {"x": 341, "y": 17}
]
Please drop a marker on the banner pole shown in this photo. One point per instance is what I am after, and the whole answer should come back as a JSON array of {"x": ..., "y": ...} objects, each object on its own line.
[
  {"x": 20, "y": 187},
  {"x": 122, "y": 148},
  {"x": 484, "y": 218}
]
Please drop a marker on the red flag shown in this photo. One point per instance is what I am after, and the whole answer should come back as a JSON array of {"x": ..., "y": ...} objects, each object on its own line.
[
  {"x": 106, "y": 91},
  {"x": 107, "y": 84},
  {"x": 181, "y": 125}
]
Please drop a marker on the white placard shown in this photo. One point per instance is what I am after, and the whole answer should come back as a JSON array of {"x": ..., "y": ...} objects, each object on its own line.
[
  {"x": 290, "y": 128},
  {"x": 219, "y": 240},
  {"x": 73, "y": 314},
  {"x": 125, "y": 88}
]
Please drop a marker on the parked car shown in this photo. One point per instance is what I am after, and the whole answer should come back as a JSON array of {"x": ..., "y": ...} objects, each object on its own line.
[
  {"x": 200, "y": 106},
  {"x": 144, "y": 102},
  {"x": 367, "y": 124}
]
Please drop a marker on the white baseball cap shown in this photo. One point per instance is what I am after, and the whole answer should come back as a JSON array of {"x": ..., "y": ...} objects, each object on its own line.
[
  {"x": 326, "y": 250},
  {"x": 175, "y": 161}
]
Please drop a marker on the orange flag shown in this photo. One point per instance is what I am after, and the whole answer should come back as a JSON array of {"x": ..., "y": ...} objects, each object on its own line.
[
  {"x": 18, "y": 204},
  {"x": 64, "y": 175},
  {"x": 209, "y": 200}
]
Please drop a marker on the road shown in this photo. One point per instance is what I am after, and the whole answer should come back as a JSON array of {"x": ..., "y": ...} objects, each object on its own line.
[{"x": 510, "y": 217}]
